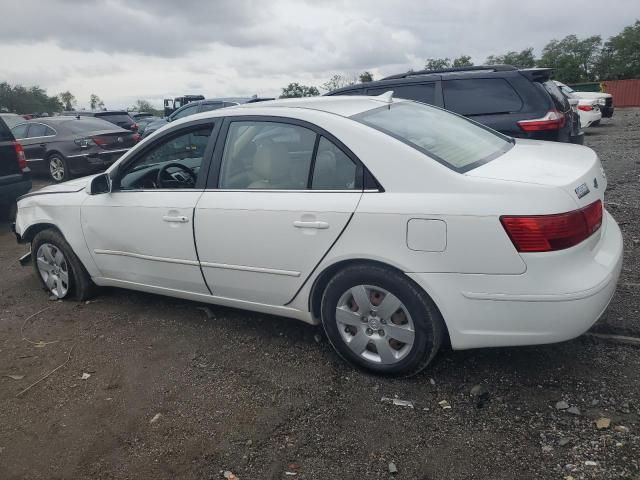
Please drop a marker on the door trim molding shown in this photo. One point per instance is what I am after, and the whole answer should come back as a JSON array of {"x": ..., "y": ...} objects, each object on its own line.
[
  {"x": 180, "y": 261},
  {"x": 245, "y": 268}
]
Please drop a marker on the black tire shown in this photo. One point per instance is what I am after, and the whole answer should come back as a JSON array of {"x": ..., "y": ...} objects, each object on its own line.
[
  {"x": 596, "y": 123},
  {"x": 81, "y": 287},
  {"x": 58, "y": 160},
  {"x": 428, "y": 323}
]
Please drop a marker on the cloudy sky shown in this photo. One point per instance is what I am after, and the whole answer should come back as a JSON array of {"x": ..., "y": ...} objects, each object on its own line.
[{"x": 152, "y": 49}]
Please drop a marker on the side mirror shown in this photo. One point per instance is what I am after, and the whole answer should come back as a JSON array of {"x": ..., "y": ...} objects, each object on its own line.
[{"x": 100, "y": 184}]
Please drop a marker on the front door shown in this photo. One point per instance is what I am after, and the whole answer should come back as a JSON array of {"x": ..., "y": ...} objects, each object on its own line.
[
  {"x": 142, "y": 232},
  {"x": 283, "y": 195}
]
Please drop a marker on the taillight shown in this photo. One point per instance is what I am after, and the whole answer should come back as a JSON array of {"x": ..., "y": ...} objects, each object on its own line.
[
  {"x": 546, "y": 233},
  {"x": 136, "y": 137},
  {"x": 100, "y": 141},
  {"x": 585, "y": 108},
  {"x": 22, "y": 160},
  {"x": 134, "y": 127},
  {"x": 553, "y": 120}
]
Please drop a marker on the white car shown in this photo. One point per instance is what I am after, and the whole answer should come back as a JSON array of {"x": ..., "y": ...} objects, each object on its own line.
[
  {"x": 602, "y": 99},
  {"x": 396, "y": 225},
  {"x": 587, "y": 109}
]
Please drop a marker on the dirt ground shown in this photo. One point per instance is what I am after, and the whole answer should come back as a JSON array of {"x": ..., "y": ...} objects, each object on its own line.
[{"x": 173, "y": 393}]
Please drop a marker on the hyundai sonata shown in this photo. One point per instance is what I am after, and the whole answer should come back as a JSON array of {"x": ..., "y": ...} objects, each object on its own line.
[{"x": 396, "y": 225}]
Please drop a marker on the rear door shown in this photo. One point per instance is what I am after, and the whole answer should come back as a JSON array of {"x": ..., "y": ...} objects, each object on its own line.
[
  {"x": 35, "y": 144},
  {"x": 490, "y": 101},
  {"x": 280, "y": 194}
]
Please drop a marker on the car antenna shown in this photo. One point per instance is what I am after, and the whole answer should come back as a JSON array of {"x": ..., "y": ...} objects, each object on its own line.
[{"x": 386, "y": 97}]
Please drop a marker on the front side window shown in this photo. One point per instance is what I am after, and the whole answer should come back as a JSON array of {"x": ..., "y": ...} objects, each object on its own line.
[
  {"x": 450, "y": 139},
  {"x": 480, "y": 96},
  {"x": 174, "y": 162},
  {"x": 267, "y": 155}
]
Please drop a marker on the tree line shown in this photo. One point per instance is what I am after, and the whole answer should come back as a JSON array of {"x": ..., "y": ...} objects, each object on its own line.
[{"x": 573, "y": 59}]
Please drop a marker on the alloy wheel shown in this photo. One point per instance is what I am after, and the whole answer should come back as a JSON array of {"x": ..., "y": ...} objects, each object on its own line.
[
  {"x": 375, "y": 324},
  {"x": 56, "y": 167},
  {"x": 53, "y": 269}
]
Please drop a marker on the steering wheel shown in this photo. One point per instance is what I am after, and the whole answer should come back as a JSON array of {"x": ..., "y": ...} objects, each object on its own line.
[{"x": 190, "y": 179}]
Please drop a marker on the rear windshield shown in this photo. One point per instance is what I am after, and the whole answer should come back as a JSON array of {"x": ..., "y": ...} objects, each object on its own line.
[
  {"x": 88, "y": 124},
  {"x": 117, "y": 118},
  {"x": 452, "y": 140},
  {"x": 480, "y": 96},
  {"x": 559, "y": 100}
]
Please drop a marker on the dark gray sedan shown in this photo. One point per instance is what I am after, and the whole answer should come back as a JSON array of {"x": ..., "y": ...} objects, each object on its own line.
[{"x": 66, "y": 146}]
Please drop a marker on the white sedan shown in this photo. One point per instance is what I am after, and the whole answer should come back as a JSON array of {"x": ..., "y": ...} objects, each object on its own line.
[{"x": 396, "y": 225}]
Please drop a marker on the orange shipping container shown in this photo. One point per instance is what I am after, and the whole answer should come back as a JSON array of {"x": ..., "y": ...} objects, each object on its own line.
[{"x": 626, "y": 93}]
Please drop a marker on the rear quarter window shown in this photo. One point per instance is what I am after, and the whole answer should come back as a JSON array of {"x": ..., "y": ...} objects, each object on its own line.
[{"x": 480, "y": 96}]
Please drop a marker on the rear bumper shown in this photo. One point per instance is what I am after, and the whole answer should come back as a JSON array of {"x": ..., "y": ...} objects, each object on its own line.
[
  {"x": 558, "y": 298},
  {"x": 94, "y": 162},
  {"x": 588, "y": 118}
]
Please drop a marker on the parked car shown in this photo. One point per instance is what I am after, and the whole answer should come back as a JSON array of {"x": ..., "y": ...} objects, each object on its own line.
[
  {"x": 11, "y": 119},
  {"x": 198, "y": 106},
  {"x": 577, "y": 134},
  {"x": 137, "y": 116},
  {"x": 15, "y": 176},
  {"x": 519, "y": 103},
  {"x": 172, "y": 104},
  {"x": 604, "y": 100},
  {"x": 144, "y": 122},
  {"x": 120, "y": 118},
  {"x": 587, "y": 108},
  {"x": 64, "y": 147},
  {"x": 394, "y": 224}
]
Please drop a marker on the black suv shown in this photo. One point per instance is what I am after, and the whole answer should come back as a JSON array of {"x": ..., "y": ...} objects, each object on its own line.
[
  {"x": 15, "y": 176},
  {"x": 117, "y": 117},
  {"x": 520, "y": 103}
]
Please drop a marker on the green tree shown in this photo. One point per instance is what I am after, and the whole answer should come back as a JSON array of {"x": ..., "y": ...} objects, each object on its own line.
[
  {"x": 572, "y": 59},
  {"x": 462, "y": 61},
  {"x": 366, "y": 77},
  {"x": 521, "y": 59},
  {"x": 95, "y": 102},
  {"x": 338, "y": 81},
  {"x": 142, "y": 105},
  {"x": 620, "y": 56},
  {"x": 68, "y": 100},
  {"x": 437, "y": 63},
  {"x": 19, "y": 99},
  {"x": 295, "y": 90}
]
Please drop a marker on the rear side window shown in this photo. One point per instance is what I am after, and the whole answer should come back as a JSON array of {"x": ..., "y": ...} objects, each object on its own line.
[
  {"x": 205, "y": 107},
  {"x": 480, "y": 96},
  {"x": 39, "y": 130},
  {"x": 333, "y": 170},
  {"x": 558, "y": 98},
  {"x": 20, "y": 131},
  {"x": 420, "y": 92}
]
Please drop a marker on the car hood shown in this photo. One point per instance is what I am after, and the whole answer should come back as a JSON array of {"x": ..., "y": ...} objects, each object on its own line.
[
  {"x": 562, "y": 165},
  {"x": 71, "y": 186}
]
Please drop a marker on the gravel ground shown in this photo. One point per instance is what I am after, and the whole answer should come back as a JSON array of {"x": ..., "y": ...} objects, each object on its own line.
[{"x": 174, "y": 392}]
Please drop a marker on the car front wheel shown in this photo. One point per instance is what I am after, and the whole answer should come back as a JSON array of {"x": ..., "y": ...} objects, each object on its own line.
[
  {"x": 60, "y": 272},
  {"x": 378, "y": 319}
]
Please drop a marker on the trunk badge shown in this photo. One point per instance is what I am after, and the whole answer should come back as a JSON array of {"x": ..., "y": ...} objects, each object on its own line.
[
  {"x": 595, "y": 183},
  {"x": 582, "y": 190}
]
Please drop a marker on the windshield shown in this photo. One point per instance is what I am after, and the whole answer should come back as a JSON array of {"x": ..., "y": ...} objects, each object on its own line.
[{"x": 452, "y": 140}]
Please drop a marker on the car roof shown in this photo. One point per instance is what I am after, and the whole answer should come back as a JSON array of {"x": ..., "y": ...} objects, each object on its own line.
[{"x": 344, "y": 105}]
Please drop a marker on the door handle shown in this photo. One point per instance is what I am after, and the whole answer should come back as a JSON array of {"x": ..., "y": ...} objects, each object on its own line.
[
  {"x": 175, "y": 219},
  {"x": 318, "y": 225},
  {"x": 42, "y": 145}
]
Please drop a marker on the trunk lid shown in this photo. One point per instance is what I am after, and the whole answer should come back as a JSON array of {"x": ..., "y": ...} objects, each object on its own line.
[
  {"x": 574, "y": 168},
  {"x": 110, "y": 140}
]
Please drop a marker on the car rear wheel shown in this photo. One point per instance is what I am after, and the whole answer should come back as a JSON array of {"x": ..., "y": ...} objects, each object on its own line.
[
  {"x": 60, "y": 272},
  {"x": 378, "y": 319},
  {"x": 58, "y": 168}
]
